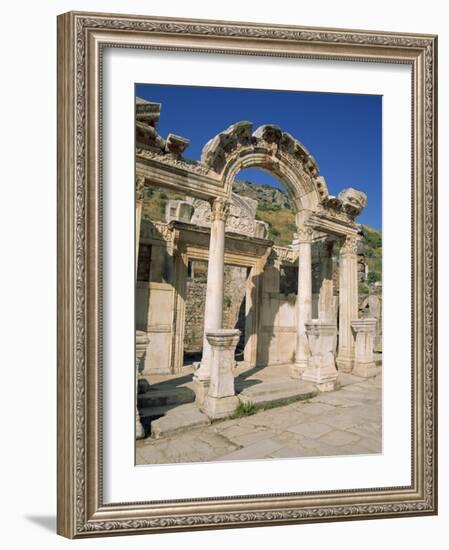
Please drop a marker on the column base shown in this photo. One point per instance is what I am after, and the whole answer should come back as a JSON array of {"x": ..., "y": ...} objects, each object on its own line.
[
  {"x": 366, "y": 370},
  {"x": 219, "y": 407},
  {"x": 345, "y": 364},
  {"x": 140, "y": 432},
  {"x": 325, "y": 378},
  {"x": 201, "y": 389},
  {"x": 297, "y": 369}
]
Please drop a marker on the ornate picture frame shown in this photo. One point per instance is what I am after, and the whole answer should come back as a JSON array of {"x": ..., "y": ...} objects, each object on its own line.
[{"x": 82, "y": 39}]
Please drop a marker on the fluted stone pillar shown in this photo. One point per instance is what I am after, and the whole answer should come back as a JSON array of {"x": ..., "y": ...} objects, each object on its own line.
[
  {"x": 304, "y": 302},
  {"x": 348, "y": 309},
  {"x": 326, "y": 301},
  {"x": 213, "y": 310},
  {"x": 140, "y": 182}
]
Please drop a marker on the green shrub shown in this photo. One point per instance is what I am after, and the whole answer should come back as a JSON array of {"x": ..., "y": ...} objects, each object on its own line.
[
  {"x": 244, "y": 409},
  {"x": 373, "y": 277}
]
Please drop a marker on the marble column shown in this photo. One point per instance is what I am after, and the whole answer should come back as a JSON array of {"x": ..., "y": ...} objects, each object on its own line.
[
  {"x": 213, "y": 310},
  {"x": 140, "y": 182},
  {"x": 348, "y": 309},
  {"x": 304, "y": 312},
  {"x": 364, "y": 364},
  {"x": 221, "y": 400},
  {"x": 141, "y": 337},
  {"x": 326, "y": 300}
]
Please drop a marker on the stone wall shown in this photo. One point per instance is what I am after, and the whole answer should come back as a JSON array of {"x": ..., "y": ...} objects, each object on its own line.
[{"x": 233, "y": 304}]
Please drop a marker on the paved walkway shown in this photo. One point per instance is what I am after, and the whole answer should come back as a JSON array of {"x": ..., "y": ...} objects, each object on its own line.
[{"x": 343, "y": 422}]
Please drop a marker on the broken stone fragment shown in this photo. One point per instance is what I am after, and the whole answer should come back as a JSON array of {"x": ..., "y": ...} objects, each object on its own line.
[
  {"x": 148, "y": 112},
  {"x": 176, "y": 144},
  {"x": 353, "y": 201},
  {"x": 269, "y": 133}
]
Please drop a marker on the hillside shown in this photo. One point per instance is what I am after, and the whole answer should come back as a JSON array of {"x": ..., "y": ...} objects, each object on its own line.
[{"x": 275, "y": 208}]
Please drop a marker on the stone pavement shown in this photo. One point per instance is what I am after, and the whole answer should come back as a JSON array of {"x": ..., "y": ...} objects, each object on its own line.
[{"x": 343, "y": 422}]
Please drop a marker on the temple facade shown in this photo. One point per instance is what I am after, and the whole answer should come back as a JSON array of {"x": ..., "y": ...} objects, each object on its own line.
[{"x": 210, "y": 268}]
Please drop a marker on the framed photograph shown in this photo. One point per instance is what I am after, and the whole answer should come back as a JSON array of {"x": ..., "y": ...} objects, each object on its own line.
[{"x": 246, "y": 274}]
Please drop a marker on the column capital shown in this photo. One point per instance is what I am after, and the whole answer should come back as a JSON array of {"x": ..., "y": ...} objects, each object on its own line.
[
  {"x": 219, "y": 209},
  {"x": 304, "y": 234},
  {"x": 140, "y": 185},
  {"x": 349, "y": 245}
]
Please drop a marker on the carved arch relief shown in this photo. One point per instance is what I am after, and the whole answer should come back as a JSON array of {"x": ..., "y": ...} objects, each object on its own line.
[{"x": 270, "y": 149}]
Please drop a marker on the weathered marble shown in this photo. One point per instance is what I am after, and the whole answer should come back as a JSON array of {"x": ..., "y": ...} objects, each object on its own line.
[
  {"x": 221, "y": 400},
  {"x": 322, "y": 338},
  {"x": 364, "y": 364},
  {"x": 304, "y": 300}
]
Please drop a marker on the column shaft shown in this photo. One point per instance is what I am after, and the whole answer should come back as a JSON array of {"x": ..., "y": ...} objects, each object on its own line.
[
  {"x": 213, "y": 311},
  {"x": 139, "y": 205},
  {"x": 304, "y": 312},
  {"x": 348, "y": 310}
]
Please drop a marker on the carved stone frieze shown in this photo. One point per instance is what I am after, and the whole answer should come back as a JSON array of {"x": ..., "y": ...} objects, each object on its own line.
[
  {"x": 171, "y": 160},
  {"x": 157, "y": 230},
  {"x": 283, "y": 255},
  {"x": 240, "y": 217}
]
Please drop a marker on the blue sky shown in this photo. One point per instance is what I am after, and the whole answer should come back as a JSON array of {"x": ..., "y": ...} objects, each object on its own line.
[{"x": 342, "y": 131}]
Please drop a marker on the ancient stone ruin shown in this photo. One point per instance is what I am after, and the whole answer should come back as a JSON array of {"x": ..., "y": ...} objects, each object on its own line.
[{"x": 211, "y": 282}]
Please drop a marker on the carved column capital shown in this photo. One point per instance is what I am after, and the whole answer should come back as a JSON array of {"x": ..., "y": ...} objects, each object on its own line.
[
  {"x": 219, "y": 209},
  {"x": 349, "y": 245},
  {"x": 304, "y": 234},
  {"x": 140, "y": 185}
]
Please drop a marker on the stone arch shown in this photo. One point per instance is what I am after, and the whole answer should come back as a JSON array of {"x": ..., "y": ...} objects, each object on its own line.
[{"x": 273, "y": 150}]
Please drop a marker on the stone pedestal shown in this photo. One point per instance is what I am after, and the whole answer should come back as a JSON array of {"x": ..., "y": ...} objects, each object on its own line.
[
  {"x": 364, "y": 364},
  {"x": 321, "y": 370},
  {"x": 221, "y": 400},
  {"x": 141, "y": 348},
  {"x": 213, "y": 309}
]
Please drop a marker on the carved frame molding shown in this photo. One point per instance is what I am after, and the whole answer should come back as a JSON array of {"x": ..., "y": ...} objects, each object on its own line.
[{"x": 81, "y": 37}]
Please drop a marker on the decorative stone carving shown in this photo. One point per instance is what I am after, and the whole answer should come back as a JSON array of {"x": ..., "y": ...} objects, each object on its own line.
[
  {"x": 240, "y": 218},
  {"x": 221, "y": 400},
  {"x": 140, "y": 186},
  {"x": 364, "y": 364},
  {"x": 161, "y": 157},
  {"x": 148, "y": 112},
  {"x": 219, "y": 209},
  {"x": 321, "y": 370},
  {"x": 349, "y": 245},
  {"x": 353, "y": 201},
  {"x": 283, "y": 255},
  {"x": 157, "y": 230},
  {"x": 304, "y": 234}
]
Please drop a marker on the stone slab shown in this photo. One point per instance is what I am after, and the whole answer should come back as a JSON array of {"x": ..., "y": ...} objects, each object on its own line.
[
  {"x": 178, "y": 419},
  {"x": 277, "y": 392}
]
